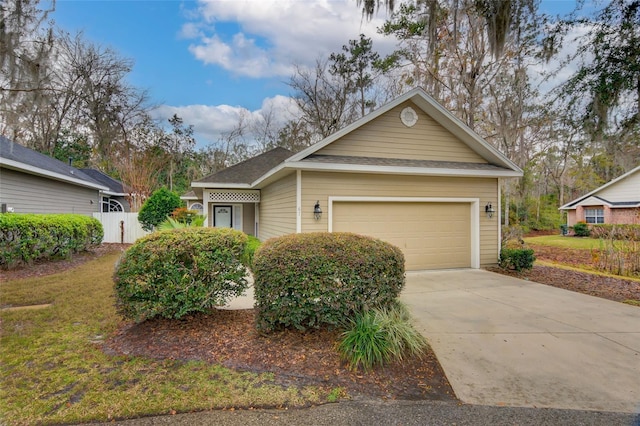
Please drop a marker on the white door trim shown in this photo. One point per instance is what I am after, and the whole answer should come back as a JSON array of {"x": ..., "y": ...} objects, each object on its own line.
[{"x": 474, "y": 205}]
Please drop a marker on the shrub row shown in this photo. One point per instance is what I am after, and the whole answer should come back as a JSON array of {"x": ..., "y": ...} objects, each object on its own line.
[
  {"x": 616, "y": 232},
  {"x": 28, "y": 237},
  {"x": 176, "y": 272},
  {"x": 312, "y": 280}
]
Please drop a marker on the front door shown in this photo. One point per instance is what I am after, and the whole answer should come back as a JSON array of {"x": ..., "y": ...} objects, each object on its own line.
[{"x": 222, "y": 216}]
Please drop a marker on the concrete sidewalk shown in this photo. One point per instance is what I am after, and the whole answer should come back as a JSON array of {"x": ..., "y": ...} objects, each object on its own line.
[{"x": 508, "y": 342}]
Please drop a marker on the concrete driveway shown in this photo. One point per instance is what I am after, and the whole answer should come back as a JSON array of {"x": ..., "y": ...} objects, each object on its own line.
[{"x": 505, "y": 341}]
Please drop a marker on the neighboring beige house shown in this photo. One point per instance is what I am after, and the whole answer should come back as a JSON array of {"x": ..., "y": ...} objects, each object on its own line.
[
  {"x": 409, "y": 173},
  {"x": 617, "y": 201}
]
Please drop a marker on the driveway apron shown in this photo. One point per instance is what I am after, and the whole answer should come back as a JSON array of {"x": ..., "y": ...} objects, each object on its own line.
[{"x": 506, "y": 341}]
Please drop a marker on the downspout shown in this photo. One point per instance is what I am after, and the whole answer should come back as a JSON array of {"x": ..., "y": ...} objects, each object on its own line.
[{"x": 298, "y": 201}]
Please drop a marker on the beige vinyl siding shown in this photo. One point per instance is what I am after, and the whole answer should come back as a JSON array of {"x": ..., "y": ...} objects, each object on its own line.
[
  {"x": 35, "y": 194},
  {"x": 278, "y": 208},
  {"x": 387, "y": 137},
  {"x": 627, "y": 189},
  {"x": 322, "y": 185}
]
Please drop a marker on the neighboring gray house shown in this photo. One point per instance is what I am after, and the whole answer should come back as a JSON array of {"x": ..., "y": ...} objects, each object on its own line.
[
  {"x": 116, "y": 198},
  {"x": 31, "y": 182}
]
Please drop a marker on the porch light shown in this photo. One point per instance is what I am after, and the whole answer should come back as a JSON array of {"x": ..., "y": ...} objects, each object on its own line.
[
  {"x": 317, "y": 211},
  {"x": 488, "y": 209}
]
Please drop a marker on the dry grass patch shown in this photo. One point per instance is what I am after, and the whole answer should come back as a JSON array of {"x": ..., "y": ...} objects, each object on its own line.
[{"x": 53, "y": 368}]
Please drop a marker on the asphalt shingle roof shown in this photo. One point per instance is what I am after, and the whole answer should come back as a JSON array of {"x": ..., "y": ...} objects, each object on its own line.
[
  {"x": 114, "y": 185},
  {"x": 398, "y": 162},
  {"x": 248, "y": 171},
  {"x": 15, "y": 152}
]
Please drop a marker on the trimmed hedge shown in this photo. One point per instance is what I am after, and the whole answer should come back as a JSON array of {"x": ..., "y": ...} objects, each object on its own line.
[
  {"x": 173, "y": 273},
  {"x": 312, "y": 280},
  {"x": 616, "y": 232},
  {"x": 28, "y": 237},
  {"x": 517, "y": 258}
]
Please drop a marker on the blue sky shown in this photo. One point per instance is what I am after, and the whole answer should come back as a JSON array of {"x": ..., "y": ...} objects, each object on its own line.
[{"x": 210, "y": 61}]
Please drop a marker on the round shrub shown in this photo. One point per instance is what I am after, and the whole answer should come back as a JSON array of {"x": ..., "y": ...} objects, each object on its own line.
[
  {"x": 321, "y": 279},
  {"x": 173, "y": 273},
  {"x": 157, "y": 208},
  {"x": 581, "y": 229}
]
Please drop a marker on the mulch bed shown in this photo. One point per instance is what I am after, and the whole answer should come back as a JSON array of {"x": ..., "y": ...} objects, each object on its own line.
[
  {"x": 229, "y": 338},
  {"x": 616, "y": 289},
  {"x": 612, "y": 288}
]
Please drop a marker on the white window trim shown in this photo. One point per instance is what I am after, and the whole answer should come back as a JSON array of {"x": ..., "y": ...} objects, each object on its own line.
[
  {"x": 474, "y": 205},
  {"x": 595, "y": 216}
]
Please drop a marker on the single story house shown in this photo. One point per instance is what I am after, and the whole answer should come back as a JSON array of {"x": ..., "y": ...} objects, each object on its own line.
[
  {"x": 31, "y": 182},
  {"x": 409, "y": 173},
  {"x": 617, "y": 202}
]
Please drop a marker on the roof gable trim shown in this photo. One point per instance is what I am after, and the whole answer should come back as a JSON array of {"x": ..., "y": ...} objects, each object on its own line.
[
  {"x": 571, "y": 205},
  {"x": 16, "y": 165},
  {"x": 432, "y": 108}
]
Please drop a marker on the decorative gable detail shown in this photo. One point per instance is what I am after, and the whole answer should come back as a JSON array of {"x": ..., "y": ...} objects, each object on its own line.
[{"x": 234, "y": 196}]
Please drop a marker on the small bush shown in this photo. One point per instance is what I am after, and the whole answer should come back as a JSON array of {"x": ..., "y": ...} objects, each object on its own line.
[
  {"x": 517, "y": 258},
  {"x": 581, "y": 229},
  {"x": 378, "y": 336},
  {"x": 173, "y": 273},
  {"x": 157, "y": 208},
  {"x": 28, "y": 237},
  {"x": 319, "y": 279}
]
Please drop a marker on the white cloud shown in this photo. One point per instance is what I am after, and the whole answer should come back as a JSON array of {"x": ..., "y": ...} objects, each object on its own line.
[
  {"x": 210, "y": 122},
  {"x": 269, "y": 36}
]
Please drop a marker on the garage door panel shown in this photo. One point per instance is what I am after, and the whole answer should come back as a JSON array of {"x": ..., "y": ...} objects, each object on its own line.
[{"x": 431, "y": 235}]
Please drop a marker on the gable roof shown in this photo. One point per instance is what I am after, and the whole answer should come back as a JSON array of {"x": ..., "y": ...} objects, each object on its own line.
[
  {"x": 115, "y": 186},
  {"x": 436, "y": 111},
  {"x": 246, "y": 172},
  {"x": 257, "y": 175},
  {"x": 585, "y": 198},
  {"x": 17, "y": 157}
]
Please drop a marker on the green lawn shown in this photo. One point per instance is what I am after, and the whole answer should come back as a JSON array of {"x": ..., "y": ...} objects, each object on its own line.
[
  {"x": 52, "y": 369},
  {"x": 565, "y": 242}
]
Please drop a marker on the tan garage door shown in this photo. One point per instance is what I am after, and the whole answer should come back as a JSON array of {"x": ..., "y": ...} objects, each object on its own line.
[{"x": 431, "y": 235}]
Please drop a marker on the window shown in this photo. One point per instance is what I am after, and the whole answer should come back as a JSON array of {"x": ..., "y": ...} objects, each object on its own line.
[
  {"x": 197, "y": 206},
  {"x": 594, "y": 215},
  {"x": 110, "y": 205}
]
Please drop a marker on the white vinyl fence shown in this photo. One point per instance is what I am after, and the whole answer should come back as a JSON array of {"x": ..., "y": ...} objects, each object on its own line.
[{"x": 120, "y": 227}]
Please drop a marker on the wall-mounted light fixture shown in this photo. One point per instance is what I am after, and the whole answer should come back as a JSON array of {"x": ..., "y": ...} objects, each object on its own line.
[
  {"x": 317, "y": 211},
  {"x": 488, "y": 209}
]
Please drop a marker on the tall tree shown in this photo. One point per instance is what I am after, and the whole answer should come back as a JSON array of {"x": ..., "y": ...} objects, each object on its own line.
[
  {"x": 605, "y": 89},
  {"x": 355, "y": 64},
  {"x": 323, "y": 99},
  {"x": 178, "y": 144},
  {"x": 498, "y": 17},
  {"x": 26, "y": 59}
]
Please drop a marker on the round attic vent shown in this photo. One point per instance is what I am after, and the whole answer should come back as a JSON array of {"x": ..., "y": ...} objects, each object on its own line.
[{"x": 408, "y": 117}]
